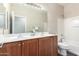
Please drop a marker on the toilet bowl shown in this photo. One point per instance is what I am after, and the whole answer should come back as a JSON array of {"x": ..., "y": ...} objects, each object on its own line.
[
  {"x": 63, "y": 45},
  {"x": 62, "y": 48}
]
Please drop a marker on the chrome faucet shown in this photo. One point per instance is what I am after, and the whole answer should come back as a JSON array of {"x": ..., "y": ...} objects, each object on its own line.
[{"x": 19, "y": 35}]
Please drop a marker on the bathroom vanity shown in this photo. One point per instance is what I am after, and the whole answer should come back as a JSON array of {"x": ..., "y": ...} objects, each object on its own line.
[{"x": 43, "y": 45}]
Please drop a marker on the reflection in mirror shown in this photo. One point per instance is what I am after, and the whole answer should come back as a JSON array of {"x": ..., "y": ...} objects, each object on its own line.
[
  {"x": 33, "y": 17},
  {"x": 3, "y": 19},
  {"x": 19, "y": 24},
  {"x": 22, "y": 18}
]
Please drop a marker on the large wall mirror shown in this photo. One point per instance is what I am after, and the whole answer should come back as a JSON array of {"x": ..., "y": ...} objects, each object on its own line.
[{"x": 23, "y": 18}]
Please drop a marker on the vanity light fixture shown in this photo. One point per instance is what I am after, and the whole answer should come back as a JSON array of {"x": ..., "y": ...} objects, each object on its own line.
[{"x": 35, "y": 5}]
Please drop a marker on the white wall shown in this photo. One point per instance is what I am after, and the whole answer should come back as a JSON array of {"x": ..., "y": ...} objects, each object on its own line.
[
  {"x": 60, "y": 27},
  {"x": 55, "y": 11},
  {"x": 71, "y": 10},
  {"x": 72, "y": 30},
  {"x": 71, "y": 14}
]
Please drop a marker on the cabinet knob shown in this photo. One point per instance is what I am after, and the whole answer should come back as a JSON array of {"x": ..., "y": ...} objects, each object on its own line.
[
  {"x": 22, "y": 43},
  {"x": 19, "y": 44}
]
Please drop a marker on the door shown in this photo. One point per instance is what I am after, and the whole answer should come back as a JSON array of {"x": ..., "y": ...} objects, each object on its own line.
[
  {"x": 45, "y": 46},
  {"x": 18, "y": 23},
  {"x": 30, "y": 47},
  {"x": 11, "y": 49}
]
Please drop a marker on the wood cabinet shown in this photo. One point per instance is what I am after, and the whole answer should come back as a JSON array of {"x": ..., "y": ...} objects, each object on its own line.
[
  {"x": 11, "y": 49},
  {"x": 30, "y": 47},
  {"x": 46, "y": 46},
  {"x": 55, "y": 46}
]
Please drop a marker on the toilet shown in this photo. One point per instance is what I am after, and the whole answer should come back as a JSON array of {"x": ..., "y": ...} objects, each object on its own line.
[{"x": 62, "y": 48}]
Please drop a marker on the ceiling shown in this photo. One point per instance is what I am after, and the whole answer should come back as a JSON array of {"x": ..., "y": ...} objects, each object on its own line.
[{"x": 63, "y": 4}]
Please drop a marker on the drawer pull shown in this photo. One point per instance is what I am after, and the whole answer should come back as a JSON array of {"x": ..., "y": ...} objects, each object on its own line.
[
  {"x": 19, "y": 44},
  {"x": 22, "y": 43}
]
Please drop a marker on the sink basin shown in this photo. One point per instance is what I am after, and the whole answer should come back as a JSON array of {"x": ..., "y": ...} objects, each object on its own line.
[
  {"x": 10, "y": 38},
  {"x": 24, "y": 35}
]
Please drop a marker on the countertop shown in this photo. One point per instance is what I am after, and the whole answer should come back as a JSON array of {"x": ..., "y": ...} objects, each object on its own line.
[{"x": 21, "y": 37}]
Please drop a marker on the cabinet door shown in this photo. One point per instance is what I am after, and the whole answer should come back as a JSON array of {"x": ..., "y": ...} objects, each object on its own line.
[
  {"x": 30, "y": 47},
  {"x": 45, "y": 46},
  {"x": 55, "y": 45},
  {"x": 11, "y": 49}
]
